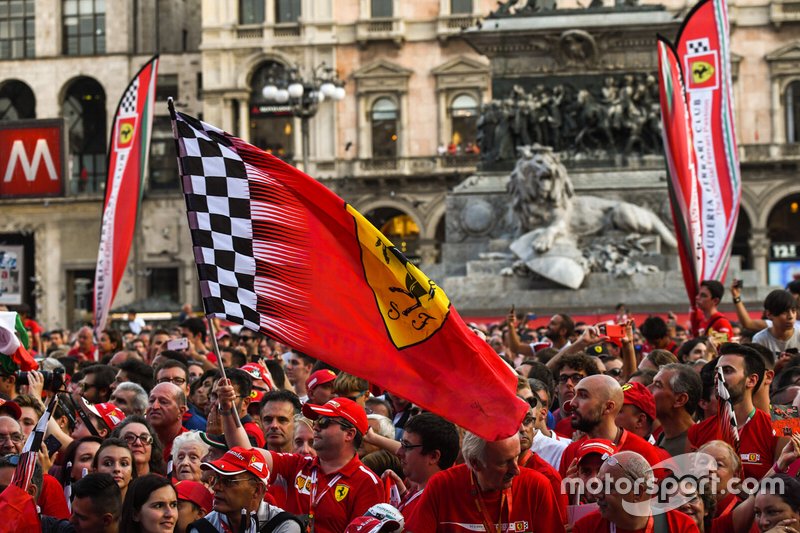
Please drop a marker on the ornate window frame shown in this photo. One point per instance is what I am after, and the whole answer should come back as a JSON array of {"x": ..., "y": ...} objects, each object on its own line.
[{"x": 784, "y": 68}]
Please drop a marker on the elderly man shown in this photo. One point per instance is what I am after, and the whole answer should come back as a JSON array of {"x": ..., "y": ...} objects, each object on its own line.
[
  {"x": 175, "y": 372},
  {"x": 130, "y": 398},
  {"x": 84, "y": 350},
  {"x": 629, "y": 510},
  {"x": 488, "y": 492},
  {"x": 594, "y": 409},
  {"x": 165, "y": 409},
  {"x": 239, "y": 484},
  {"x": 342, "y": 486},
  {"x": 676, "y": 390}
]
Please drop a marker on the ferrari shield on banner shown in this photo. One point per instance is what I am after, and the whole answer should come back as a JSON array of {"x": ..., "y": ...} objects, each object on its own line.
[
  {"x": 706, "y": 184},
  {"x": 278, "y": 252},
  {"x": 127, "y": 163}
]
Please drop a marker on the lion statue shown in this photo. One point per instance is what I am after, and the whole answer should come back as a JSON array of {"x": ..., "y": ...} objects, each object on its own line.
[{"x": 548, "y": 212}]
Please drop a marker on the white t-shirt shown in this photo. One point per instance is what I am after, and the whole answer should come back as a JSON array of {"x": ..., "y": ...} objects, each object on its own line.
[
  {"x": 550, "y": 448},
  {"x": 765, "y": 338}
]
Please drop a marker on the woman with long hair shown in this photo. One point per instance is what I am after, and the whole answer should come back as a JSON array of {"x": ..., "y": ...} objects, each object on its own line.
[
  {"x": 150, "y": 506},
  {"x": 114, "y": 457},
  {"x": 142, "y": 440}
]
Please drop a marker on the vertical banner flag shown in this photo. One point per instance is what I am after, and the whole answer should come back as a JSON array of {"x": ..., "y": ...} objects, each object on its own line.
[
  {"x": 697, "y": 114},
  {"x": 278, "y": 252},
  {"x": 128, "y": 151}
]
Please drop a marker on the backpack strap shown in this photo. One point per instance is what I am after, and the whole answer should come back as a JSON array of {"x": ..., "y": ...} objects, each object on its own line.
[
  {"x": 660, "y": 523},
  {"x": 201, "y": 526},
  {"x": 281, "y": 518}
]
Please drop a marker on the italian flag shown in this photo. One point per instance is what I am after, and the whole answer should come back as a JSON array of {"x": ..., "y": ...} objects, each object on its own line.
[{"x": 14, "y": 344}]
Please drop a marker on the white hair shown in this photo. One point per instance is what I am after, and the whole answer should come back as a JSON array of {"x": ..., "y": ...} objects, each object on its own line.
[
  {"x": 139, "y": 404},
  {"x": 385, "y": 426},
  {"x": 473, "y": 448},
  {"x": 190, "y": 437}
]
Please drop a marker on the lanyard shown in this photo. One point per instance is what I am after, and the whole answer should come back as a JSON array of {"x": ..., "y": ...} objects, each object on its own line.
[
  {"x": 488, "y": 524},
  {"x": 316, "y": 499},
  {"x": 650, "y": 527},
  {"x": 749, "y": 417}
]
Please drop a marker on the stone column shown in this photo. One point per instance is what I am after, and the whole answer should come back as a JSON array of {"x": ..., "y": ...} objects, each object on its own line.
[
  {"x": 244, "y": 120},
  {"x": 759, "y": 246}
]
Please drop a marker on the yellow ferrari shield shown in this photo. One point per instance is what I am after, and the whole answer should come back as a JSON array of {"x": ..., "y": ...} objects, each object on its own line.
[
  {"x": 340, "y": 492},
  {"x": 412, "y": 306},
  {"x": 702, "y": 71},
  {"x": 125, "y": 133}
]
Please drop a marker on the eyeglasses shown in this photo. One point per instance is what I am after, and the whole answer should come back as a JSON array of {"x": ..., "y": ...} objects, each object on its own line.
[
  {"x": 614, "y": 372},
  {"x": 357, "y": 396},
  {"x": 613, "y": 461},
  {"x": 407, "y": 446},
  {"x": 14, "y": 437},
  {"x": 176, "y": 381},
  {"x": 86, "y": 386},
  {"x": 575, "y": 378},
  {"x": 324, "y": 421},
  {"x": 227, "y": 482},
  {"x": 144, "y": 438},
  {"x": 528, "y": 420}
]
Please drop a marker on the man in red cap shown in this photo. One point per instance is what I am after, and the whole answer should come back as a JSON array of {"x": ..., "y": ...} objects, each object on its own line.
[
  {"x": 332, "y": 488},
  {"x": 638, "y": 411},
  {"x": 239, "y": 484},
  {"x": 194, "y": 502},
  {"x": 320, "y": 386},
  {"x": 586, "y": 468}
]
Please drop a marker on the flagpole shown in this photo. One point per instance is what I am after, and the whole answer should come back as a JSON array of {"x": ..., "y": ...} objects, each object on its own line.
[{"x": 221, "y": 365}]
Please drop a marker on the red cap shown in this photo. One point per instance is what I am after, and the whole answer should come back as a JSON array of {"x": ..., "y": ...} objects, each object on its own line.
[
  {"x": 604, "y": 447},
  {"x": 369, "y": 524},
  {"x": 257, "y": 371},
  {"x": 197, "y": 493},
  {"x": 340, "y": 408},
  {"x": 320, "y": 377},
  {"x": 239, "y": 460},
  {"x": 538, "y": 346},
  {"x": 256, "y": 396},
  {"x": 109, "y": 413},
  {"x": 640, "y": 396},
  {"x": 11, "y": 408}
]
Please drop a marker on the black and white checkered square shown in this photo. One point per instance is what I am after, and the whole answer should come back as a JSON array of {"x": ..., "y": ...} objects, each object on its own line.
[
  {"x": 698, "y": 46},
  {"x": 128, "y": 104},
  {"x": 218, "y": 204}
]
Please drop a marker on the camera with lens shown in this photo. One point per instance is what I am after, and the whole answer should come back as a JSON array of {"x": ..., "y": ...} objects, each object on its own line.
[{"x": 53, "y": 380}]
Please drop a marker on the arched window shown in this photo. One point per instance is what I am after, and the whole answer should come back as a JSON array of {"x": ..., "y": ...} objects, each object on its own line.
[
  {"x": 793, "y": 112},
  {"x": 384, "y": 128},
  {"x": 84, "y": 27},
  {"x": 271, "y": 124},
  {"x": 782, "y": 224},
  {"x": 17, "y": 101},
  {"x": 84, "y": 108},
  {"x": 251, "y": 11},
  {"x": 464, "y": 123},
  {"x": 398, "y": 227}
]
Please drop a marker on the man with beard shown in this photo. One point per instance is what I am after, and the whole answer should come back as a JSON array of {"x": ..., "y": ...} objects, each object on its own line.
[
  {"x": 598, "y": 399},
  {"x": 529, "y": 459},
  {"x": 743, "y": 369},
  {"x": 569, "y": 370},
  {"x": 560, "y": 328}
]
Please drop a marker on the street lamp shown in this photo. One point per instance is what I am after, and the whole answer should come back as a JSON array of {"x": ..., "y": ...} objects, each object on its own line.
[{"x": 303, "y": 94}]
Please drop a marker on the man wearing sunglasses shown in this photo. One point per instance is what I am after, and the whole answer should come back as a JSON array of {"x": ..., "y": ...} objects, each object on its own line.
[{"x": 332, "y": 488}]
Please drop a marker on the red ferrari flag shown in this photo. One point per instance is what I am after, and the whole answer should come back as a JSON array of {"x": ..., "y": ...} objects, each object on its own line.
[
  {"x": 697, "y": 105},
  {"x": 128, "y": 152},
  {"x": 279, "y": 253}
]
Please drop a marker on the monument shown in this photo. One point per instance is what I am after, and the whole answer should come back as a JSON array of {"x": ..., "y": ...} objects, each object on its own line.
[{"x": 569, "y": 209}]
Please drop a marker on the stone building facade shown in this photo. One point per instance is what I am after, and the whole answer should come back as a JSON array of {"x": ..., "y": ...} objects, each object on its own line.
[{"x": 401, "y": 138}]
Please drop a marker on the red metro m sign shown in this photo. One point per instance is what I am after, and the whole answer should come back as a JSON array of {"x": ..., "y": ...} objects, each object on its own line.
[{"x": 32, "y": 158}]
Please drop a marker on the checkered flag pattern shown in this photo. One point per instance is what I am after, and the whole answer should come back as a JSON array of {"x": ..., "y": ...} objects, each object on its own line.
[
  {"x": 698, "y": 46},
  {"x": 127, "y": 105},
  {"x": 217, "y": 200}
]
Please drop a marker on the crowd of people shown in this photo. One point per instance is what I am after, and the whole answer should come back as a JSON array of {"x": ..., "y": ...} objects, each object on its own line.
[{"x": 148, "y": 436}]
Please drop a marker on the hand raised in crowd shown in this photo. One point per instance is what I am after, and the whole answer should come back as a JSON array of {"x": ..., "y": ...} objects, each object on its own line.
[
  {"x": 789, "y": 525},
  {"x": 401, "y": 487},
  {"x": 736, "y": 289},
  {"x": 44, "y": 458},
  {"x": 790, "y": 453},
  {"x": 35, "y": 384},
  {"x": 511, "y": 319},
  {"x": 590, "y": 337},
  {"x": 225, "y": 395},
  {"x": 628, "y": 329}
]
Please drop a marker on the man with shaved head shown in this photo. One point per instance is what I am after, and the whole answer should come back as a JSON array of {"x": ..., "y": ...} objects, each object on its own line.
[
  {"x": 598, "y": 399},
  {"x": 489, "y": 490},
  {"x": 629, "y": 510}
]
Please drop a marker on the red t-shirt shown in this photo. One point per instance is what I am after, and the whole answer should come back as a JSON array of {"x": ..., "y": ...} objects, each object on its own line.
[
  {"x": 168, "y": 447},
  {"x": 595, "y": 523},
  {"x": 757, "y": 441},
  {"x": 52, "y": 500},
  {"x": 410, "y": 503},
  {"x": 628, "y": 441},
  {"x": 449, "y": 506},
  {"x": 564, "y": 427},
  {"x": 81, "y": 356},
  {"x": 716, "y": 323},
  {"x": 535, "y": 462},
  {"x": 341, "y": 496}
]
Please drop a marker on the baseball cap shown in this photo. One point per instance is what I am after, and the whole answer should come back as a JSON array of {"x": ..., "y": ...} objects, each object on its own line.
[
  {"x": 640, "y": 396},
  {"x": 222, "y": 333},
  {"x": 239, "y": 460},
  {"x": 195, "y": 492},
  {"x": 599, "y": 350},
  {"x": 603, "y": 447},
  {"x": 320, "y": 377},
  {"x": 340, "y": 408},
  {"x": 258, "y": 371},
  {"x": 10, "y": 407},
  {"x": 386, "y": 513},
  {"x": 110, "y": 414},
  {"x": 369, "y": 524}
]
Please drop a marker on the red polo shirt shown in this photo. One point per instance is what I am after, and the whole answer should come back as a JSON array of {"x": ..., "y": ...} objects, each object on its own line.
[
  {"x": 535, "y": 462},
  {"x": 341, "y": 496},
  {"x": 757, "y": 441},
  {"x": 629, "y": 442},
  {"x": 448, "y": 505},
  {"x": 595, "y": 523}
]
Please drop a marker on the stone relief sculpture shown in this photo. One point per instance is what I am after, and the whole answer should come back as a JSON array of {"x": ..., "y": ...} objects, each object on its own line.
[
  {"x": 564, "y": 235},
  {"x": 620, "y": 117}
]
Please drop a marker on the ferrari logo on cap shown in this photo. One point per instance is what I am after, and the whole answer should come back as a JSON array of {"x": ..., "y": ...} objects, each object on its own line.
[
  {"x": 411, "y": 305},
  {"x": 340, "y": 492},
  {"x": 627, "y": 386},
  {"x": 255, "y": 463}
]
